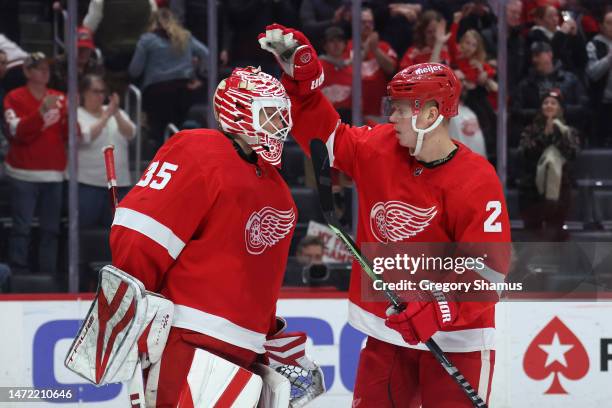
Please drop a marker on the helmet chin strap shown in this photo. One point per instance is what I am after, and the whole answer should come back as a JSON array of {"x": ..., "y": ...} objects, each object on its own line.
[{"x": 421, "y": 133}]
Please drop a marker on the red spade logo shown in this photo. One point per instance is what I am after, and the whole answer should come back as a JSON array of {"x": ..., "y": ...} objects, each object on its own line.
[{"x": 556, "y": 350}]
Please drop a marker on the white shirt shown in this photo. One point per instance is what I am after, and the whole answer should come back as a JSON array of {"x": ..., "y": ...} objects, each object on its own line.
[
  {"x": 14, "y": 54},
  {"x": 95, "y": 13},
  {"x": 91, "y": 168},
  {"x": 465, "y": 128}
]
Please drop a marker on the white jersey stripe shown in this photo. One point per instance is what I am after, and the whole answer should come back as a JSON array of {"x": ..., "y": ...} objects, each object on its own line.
[
  {"x": 485, "y": 371},
  {"x": 459, "y": 341},
  {"x": 219, "y": 328},
  {"x": 150, "y": 228}
]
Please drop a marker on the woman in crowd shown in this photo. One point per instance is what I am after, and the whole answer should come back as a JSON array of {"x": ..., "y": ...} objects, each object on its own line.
[
  {"x": 166, "y": 58},
  {"x": 100, "y": 125},
  {"x": 547, "y": 148},
  {"x": 429, "y": 41},
  {"x": 469, "y": 58}
]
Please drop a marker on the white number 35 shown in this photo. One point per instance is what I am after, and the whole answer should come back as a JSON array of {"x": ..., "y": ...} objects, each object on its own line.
[
  {"x": 163, "y": 176},
  {"x": 490, "y": 224}
]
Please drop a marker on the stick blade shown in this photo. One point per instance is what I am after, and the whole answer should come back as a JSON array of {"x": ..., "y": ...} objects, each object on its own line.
[{"x": 322, "y": 170}]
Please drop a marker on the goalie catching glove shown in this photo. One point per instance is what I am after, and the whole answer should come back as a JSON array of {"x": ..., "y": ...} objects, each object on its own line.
[
  {"x": 286, "y": 354},
  {"x": 296, "y": 56},
  {"x": 421, "y": 320}
]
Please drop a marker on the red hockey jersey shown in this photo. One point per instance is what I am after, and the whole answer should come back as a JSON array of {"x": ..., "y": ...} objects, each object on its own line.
[
  {"x": 456, "y": 202},
  {"x": 338, "y": 84},
  {"x": 37, "y": 151},
  {"x": 211, "y": 232},
  {"x": 373, "y": 79}
]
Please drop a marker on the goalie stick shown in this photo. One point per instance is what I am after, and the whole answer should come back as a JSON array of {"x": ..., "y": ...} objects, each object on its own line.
[{"x": 322, "y": 170}]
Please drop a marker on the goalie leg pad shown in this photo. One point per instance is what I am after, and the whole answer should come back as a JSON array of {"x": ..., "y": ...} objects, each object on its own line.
[{"x": 215, "y": 382}]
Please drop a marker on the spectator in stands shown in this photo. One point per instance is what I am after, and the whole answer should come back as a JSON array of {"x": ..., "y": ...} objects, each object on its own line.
[
  {"x": 465, "y": 128},
  {"x": 516, "y": 43},
  {"x": 543, "y": 76},
  {"x": 469, "y": 56},
  {"x": 430, "y": 39},
  {"x": 14, "y": 77},
  {"x": 164, "y": 58},
  {"x": 100, "y": 125},
  {"x": 37, "y": 121},
  {"x": 316, "y": 16},
  {"x": 87, "y": 61},
  {"x": 478, "y": 16},
  {"x": 118, "y": 24},
  {"x": 310, "y": 250},
  {"x": 338, "y": 71},
  {"x": 378, "y": 64},
  {"x": 399, "y": 26},
  {"x": 567, "y": 45},
  {"x": 547, "y": 147},
  {"x": 599, "y": 73}
]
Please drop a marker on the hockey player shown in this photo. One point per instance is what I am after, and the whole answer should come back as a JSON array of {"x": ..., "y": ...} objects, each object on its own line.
[
  {"x": 414, "y": 184},
  {"x": 208, "y": 226}
]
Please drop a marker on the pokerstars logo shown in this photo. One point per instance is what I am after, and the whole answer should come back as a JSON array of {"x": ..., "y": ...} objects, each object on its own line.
[{"x": 556, "y": 350}]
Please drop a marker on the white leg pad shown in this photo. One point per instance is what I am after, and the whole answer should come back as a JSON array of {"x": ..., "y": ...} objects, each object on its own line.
[{"x": 214, "y": 382}]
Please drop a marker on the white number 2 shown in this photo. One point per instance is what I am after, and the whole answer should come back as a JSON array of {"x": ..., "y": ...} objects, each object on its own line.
[
  {"x": 164, "y": 174},
  {"x": 490, "y": 225}
]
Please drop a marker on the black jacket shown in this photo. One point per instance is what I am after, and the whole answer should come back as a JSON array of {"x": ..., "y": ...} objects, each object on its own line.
[{"x": 526, "y": 101}]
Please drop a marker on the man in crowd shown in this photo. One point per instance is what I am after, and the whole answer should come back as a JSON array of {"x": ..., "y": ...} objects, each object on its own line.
[{"x": 37, "y": 125}]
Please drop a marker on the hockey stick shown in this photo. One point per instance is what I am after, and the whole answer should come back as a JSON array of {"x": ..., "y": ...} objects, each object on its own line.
[
  {"x": 322, "y": 170},
  {"x": 111, "y": 177},
  {"x": 135, "y": 385}
]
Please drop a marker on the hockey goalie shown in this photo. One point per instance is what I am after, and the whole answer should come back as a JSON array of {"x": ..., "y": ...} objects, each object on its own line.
[{"x": 186, "y": 314}]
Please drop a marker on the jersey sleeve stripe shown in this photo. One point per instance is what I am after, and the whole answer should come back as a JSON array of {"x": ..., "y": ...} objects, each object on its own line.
[
  {"x": 218, "y": 327},
  {"x": 330, "y": 144},
  {"x": 150, "y": 228}
]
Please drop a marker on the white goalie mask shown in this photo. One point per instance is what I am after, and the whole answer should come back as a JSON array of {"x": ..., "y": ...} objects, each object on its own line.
[{"x": 254, "y": 106}]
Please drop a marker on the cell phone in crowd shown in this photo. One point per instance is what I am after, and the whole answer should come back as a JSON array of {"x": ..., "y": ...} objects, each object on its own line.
[{"x": 566, "y": 15}]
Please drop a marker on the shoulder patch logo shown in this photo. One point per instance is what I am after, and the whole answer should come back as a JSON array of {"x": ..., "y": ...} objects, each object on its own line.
[
  {"x": 266, "y": 227},
  {"x": 395, "y": 221}
]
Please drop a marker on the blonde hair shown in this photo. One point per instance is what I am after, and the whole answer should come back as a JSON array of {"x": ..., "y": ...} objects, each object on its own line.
[
  {"x": 480, "y": 54},
  {"x": 164, "y": 20}
]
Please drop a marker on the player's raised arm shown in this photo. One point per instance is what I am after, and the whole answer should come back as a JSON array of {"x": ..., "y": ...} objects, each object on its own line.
[{"x": 313, "y": 115}]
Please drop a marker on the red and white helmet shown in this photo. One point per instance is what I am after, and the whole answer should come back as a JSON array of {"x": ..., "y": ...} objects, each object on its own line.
[
  {"x": 421, "y": 83},
  {"x": 238, "y": 101}
]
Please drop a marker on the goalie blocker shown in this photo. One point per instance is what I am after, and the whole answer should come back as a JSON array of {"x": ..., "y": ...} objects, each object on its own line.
[{"x": 126, "y": 330}]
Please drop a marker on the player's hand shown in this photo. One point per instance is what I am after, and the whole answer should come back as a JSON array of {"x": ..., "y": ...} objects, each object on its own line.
[
  {"x": 295, "y": 55},
  {"x": 420, "y": 320}
]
